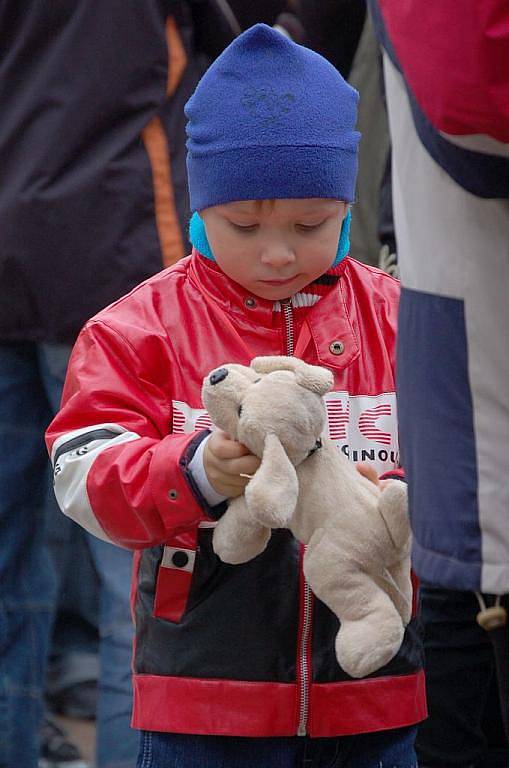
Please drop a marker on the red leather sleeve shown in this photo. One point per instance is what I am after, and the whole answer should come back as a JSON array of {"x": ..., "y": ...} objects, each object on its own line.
[{"x": 136, "y": 490}]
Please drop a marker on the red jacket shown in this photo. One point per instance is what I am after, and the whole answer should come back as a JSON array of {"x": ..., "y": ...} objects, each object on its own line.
[{"x": 233, "y": 650}]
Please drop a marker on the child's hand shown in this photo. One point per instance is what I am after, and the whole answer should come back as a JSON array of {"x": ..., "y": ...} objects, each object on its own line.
[
  {"x": 225, "y": 462},
  {"x": 370, "y": 473}
]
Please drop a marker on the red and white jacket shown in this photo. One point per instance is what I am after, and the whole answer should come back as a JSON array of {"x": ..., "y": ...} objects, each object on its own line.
[{"x": 241, "y": 650}]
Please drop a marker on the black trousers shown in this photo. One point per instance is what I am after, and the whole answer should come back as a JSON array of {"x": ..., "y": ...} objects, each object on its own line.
[{"x": 464, "y": 728}]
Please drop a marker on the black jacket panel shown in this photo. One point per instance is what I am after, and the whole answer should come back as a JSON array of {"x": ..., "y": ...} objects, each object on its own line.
[{"x": 78, "y": 82}]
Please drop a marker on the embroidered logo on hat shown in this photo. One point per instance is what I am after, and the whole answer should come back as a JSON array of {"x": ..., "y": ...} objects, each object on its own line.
[{"x": 267, "y": 105}]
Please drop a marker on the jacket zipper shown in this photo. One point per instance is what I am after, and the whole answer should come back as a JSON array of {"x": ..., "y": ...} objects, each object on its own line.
[
  {"x": 305, "y": 637},
  {"x": 288, "y": 322},
  {"x": 305, "y": 682}
]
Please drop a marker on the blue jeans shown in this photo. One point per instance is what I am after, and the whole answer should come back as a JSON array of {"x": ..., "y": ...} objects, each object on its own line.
[
  {"x": 74, "y": 644},
  {"x": 117, "y": 743},
  {"x": 31, "y": 380},
  {"x": 27, "y": 579},
  {"x": 386, "y": 749}
]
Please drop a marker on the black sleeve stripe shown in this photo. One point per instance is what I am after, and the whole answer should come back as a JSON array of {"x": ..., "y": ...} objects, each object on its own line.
[{"x": 78, "y": 442}]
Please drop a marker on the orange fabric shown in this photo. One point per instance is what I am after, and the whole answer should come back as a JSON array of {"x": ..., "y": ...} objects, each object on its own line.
[
  {"x": 168, "y": 226},
  {"x": 156, "y": 145},
  {"x": 177, "y": 58}
]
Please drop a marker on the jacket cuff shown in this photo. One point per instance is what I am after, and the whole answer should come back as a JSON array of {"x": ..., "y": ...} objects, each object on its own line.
[
  {"x": 216, "y": 511},
  {"x": 394, "y": 474},
  {"x": 196, "y": 467},
  {"x": 170, "y": 489}
]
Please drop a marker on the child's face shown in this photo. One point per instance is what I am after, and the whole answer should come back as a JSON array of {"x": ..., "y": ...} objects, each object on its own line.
[{"x": 273, "y": 248}]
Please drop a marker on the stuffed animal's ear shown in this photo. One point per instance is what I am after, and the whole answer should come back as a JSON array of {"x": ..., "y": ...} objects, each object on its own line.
[
  {"x": 271, "y": 495},
  {"x": 312, "y": 377}
]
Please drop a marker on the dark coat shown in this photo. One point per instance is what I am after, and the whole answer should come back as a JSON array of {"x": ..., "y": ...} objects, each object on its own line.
[{"x": 78, "y": 83}]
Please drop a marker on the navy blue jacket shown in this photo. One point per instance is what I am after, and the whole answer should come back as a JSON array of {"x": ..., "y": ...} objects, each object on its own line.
[{"x": 79, "y": 82}]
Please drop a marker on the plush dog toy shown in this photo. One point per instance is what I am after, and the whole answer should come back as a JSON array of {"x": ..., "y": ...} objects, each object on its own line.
[{"x": 358, "y": 537}]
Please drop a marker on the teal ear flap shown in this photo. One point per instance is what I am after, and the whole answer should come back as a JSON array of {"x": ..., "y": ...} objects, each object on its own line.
[
  {"x": 198, "y": 236},
  {"x": 344, "y": 240}
]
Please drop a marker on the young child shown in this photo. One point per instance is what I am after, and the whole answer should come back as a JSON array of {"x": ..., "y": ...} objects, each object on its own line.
[{"x": 222, "y": 651}]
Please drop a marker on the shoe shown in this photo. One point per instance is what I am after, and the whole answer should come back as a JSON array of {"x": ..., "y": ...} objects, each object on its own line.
[
  {"x": 55, "y": 750},
  {"x": 78, "y": 701}
]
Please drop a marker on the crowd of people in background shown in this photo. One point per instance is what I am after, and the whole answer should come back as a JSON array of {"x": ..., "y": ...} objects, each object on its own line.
[{"x": 94, "y": 199}]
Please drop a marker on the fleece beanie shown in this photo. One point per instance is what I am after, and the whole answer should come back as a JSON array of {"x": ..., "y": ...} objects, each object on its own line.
[{"x": 271, "y": 119}]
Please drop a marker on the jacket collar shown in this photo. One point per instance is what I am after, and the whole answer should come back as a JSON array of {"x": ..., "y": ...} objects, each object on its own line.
[{"x": 331, "y": 320}]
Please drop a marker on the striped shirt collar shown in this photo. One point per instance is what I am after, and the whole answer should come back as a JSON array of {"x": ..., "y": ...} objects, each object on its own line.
[{"x": 313, "y": 292}]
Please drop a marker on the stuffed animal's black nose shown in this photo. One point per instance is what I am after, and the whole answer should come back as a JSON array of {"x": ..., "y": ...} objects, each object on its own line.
[{"x": 219, "y": 375}]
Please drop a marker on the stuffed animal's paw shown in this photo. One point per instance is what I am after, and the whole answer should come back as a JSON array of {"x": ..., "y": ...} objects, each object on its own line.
[
  {"x": 393, "y": 506},
  {"x": 362, "y": 648},
  {"x": 242, "y": 547}
]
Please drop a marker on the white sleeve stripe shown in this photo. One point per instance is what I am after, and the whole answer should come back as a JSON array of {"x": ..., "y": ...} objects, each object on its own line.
[{"x": 71, "y": 472}]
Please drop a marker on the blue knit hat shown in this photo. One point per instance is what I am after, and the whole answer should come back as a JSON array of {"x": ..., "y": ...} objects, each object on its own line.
[{"x": 271, "y": 119}]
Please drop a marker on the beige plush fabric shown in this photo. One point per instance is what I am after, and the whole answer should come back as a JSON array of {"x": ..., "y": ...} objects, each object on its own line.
[{"x": 357, "y": 558}]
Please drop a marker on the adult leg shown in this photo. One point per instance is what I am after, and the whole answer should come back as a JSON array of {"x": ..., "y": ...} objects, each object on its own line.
[
  {"x": 497, "y": 750},
  {"x": 117, "y": 742},
  {"x": 73, "y": 663},
  {"x": 27, "y": 582},
  {"x": 384, "y": 749},
  {"x": 459, "y": 675},
  {"x": 73, "y": 668},
  {"x": 105, "y": 584}
]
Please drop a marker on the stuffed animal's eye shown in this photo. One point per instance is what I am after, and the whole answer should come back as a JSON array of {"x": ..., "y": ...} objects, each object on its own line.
[{"x": 239, "y": 410}]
